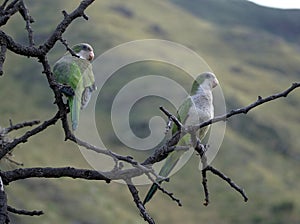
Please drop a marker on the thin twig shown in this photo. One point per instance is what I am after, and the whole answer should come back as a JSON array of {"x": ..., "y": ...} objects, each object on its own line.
[
  {"x": 64, "y": 42},
  {"x": 159, "y": 187},
  {"x": 21, "y": 125},
  {"x": 12, "y": 4},
  {"x": 7, "y": 12},
  {"x": 24, "y": 212},
  {"x": 245, "y": 110},
  {"x": 3, "y": 5},
  {"x": 7, "y": 157},
  {"x": 9, "y": 146},
  {"x": 28, "y": 19},
  {"x": 228, "y": 180}
]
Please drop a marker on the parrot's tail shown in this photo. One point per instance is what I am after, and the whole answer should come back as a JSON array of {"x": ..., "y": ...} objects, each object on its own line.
[
  {"x": 169, "y": 165},
  {"x": 75, "y": 105},
  {"x": 150, "y": 193}
]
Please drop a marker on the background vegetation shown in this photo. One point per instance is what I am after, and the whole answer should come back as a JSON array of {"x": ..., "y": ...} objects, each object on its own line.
[{"x": 253, "y": 50}]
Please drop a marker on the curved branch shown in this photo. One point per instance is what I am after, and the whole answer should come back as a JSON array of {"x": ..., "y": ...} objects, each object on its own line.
[
  {"x": 42, "y": 50},
  {"x": 9, "y": 146},
  {"x": 245, "y": 110},
  {"x": 61, "y": 28}
]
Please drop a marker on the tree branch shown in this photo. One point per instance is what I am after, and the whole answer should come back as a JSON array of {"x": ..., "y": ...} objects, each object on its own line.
[
  {"x": 24, "y": 212},
  {"x": 139, "y": 204},
  {"x": 21, "y": 125},
  {"x": 31, "y": 51},
  {"x": 2, "y": 57},
  {"x": 28, "y": 19},
  {"x": 49, "y": 172},
  {"x": 61, "y": 28},
  {"x": 3, "y": 204},
  {"x": 245, "y": 110},
  {"x": 228, "y": 180},
  {"x": 24, "y": 138}
]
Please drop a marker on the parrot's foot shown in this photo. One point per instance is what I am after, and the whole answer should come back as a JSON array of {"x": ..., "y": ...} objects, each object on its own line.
[
  {"x": 206, "y": 147},
  {"x": 169, "y": 126},
  {"x": 67, "y": 90}
]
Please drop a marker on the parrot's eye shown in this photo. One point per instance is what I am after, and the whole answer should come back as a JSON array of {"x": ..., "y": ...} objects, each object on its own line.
[{"x": 84, "y": 47}]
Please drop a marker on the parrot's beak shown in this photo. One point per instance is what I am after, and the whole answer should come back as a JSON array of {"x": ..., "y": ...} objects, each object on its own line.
[
  {"x": 215, "y": 83},
  {"x": 91, "y": 56}
]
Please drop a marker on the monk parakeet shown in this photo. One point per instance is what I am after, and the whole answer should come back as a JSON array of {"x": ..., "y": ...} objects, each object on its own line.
[
  {"x": 77, "y": 73},
  {"x": 197, "y": 108}
]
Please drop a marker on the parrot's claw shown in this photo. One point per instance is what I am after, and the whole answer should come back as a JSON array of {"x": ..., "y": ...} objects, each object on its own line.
[
  {"x": 169, "y": 126},
  {"x": 67, "y": 90},
  {"x": 206, "y": 147}
]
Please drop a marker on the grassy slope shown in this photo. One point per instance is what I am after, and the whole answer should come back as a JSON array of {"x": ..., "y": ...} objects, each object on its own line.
[{"x": 247, "y": 64}]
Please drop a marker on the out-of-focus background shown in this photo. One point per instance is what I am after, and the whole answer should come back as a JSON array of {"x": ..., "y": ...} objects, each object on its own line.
[{"x": 253, "y": 50}]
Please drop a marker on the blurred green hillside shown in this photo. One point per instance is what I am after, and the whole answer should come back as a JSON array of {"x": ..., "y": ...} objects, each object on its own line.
[{"x": 250, "y": 52}]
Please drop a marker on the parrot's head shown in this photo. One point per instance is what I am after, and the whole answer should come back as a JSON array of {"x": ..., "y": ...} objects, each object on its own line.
[
  {"x": 84, "y": 51},
  {"x": 206, "y": 80}
]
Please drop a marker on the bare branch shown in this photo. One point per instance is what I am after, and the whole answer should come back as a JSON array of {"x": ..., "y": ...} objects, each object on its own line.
[
  {"x": 24, "y": 212},
  {"x": 205, "y": 188},
  {"x": 12, "y": 4},
  {"x": 64, "y": 42},
  {"x": 139, "y": 204},
  {"x": 163, "y": 152},
  {"x": 49, "y": 172},
  {"x": 3, "y": 204},
  {"x": 21, "y": 125},
  {"x": 2, "y": 57},
  {"x": 42, "y": 50},
  {"x": 3, "y": 5},
  {"x": 245, "y": 110},
  {"x": 159, "y": 187},
  {"x": 61, "y": 28},
  {"x": 9, "y": 159},
  {"x": 228, "y": 180},
  {"x": 7, "y": 12},
  {"x": 28, "y": 19},
  {"x": 9, "y": 146},
  {"x": 172, "y": 117}
]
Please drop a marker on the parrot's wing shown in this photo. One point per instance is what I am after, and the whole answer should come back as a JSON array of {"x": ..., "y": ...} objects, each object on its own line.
[
  {"x": 67, "y": 71},
  {"x": 88, "y": 81},
  {"x": 183, "y": 112},
  {"x": 173, "y": 157}
]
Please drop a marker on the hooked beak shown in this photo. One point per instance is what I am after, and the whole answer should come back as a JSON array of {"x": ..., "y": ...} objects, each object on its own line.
[
  {"x": 215, "y": 83},
  {"x": 91, "y": 56}
]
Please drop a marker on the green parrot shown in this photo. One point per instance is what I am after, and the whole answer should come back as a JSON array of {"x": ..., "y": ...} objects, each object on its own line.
[
  {"x": 77, "y": 73},
  {"x": 197, "y": 108}
]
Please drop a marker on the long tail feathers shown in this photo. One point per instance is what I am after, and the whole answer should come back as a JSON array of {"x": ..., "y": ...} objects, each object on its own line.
[
  {"x": 164, "y": 172},
  {"x": 75, "y": 105},
  {"x": 150, "y": 193}
]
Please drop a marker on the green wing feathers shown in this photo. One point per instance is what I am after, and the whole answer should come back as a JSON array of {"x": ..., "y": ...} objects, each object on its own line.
[
  {"x": 78, "y": 74},
  {"x": 175, "y": 156},
  {"x": 182, "y": 113}
]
